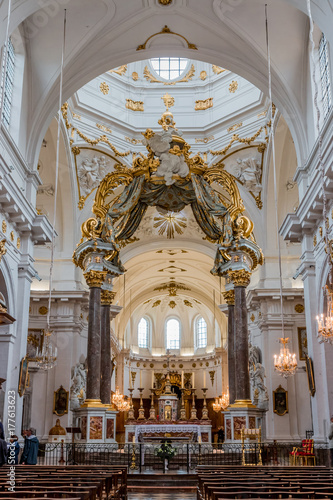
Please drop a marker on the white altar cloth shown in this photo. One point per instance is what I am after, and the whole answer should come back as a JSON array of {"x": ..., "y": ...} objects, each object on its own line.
[{"x": 141, "y": 429}]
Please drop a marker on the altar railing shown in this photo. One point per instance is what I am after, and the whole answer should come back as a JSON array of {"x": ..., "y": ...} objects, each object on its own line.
[{"x": 143, "y": 456}]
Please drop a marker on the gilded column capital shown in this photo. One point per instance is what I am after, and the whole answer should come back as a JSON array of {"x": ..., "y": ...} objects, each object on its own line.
[
  {"x": 229, "y": 297},
  {"x": 107, "y": 297},
  {"x": 240, "y": 277},
  {"x": 95, "y": 278}
]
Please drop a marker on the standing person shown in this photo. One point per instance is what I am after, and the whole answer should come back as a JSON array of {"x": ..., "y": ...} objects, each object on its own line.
[
  {"x": 220, "y": 435},
  {"x": 330, "y": 440},
  {"x": 13, "y": 457},
  {"x": 30, "y": 450},
  {"x": 2, "y": 434},
  {"x": 3, "y": 452}
]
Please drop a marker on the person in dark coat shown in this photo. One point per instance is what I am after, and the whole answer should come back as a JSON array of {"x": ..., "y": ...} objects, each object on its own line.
[
  {"x": 2, "y": 434},
  {"x": 3, "y": 452},
  {"x": 13, "y": 451},
  {"x": 220, "y": 436},
  {"x": 30, "y": 450}
]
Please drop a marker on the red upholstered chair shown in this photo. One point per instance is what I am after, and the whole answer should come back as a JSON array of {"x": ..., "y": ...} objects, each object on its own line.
[{"x": 304, "y": 455}]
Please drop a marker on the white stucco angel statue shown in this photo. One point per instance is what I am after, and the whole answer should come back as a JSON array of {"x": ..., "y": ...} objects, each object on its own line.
[{"x": 170, "y": 164}]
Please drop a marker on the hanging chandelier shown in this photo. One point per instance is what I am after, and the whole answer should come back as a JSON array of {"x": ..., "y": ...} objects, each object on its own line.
[
  {"x": 119, "y": 401},
  {"x": 286, "y": 362},
  {"x": 46, "y": 358},
  {"x": 221, "y": 403},
  {"x": 325, "y": 323}
]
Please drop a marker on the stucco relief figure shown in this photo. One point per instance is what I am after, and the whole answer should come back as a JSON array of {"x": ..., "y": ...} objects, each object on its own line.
[
  {"x": 170, "y": 164},
  {"x": 260, "y": 393},
  {"x": 248, "y": 171},
  {"x": 91, "y": 172},
  {"x": 78, "y": 385}
]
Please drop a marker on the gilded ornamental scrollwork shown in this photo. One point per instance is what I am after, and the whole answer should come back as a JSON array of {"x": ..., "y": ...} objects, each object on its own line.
[
  {"x": 107, "y": 297},
  {"x": 229, "y": 297},
  {"x": 240, "y": 277},
  {"x": 95, "y": 278}
]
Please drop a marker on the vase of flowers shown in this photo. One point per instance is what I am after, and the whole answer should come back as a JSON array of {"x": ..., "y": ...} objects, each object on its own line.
[{"x": 165, "y": 452}]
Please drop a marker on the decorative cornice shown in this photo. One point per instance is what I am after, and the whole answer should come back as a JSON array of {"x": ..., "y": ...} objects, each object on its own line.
[
  {"x": 229, "y": 297},
  {"x": 240, "y": 277},
  {"x": 107, "y": 297},
  {"x": 95, "y": 278}
]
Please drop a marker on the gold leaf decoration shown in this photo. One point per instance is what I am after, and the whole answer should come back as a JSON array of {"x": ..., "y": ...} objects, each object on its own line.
[
  {"x": 104, "y": 88},
  {"x": 233, "y": 86},
  {"x": 169, "y": 223},
  {"x": 188, "y": 303},
  {"x": 4, "y": 226},
  {"x": 152, "y": 79},
  {"x": 104, "y": 128},
  {"x": 134, "y": 105},
  {"x": 135, "y": 76},
  {"x": 119, "y": 71},
  {"x": 205, "y": 139},
  {"x": 166, "y": 31},
  {"x": 235, "y": 127},
  {"x": 203, "y": 75},
  {"x": 217, "y": 69},
  {"x": 157, "y": 303},
  {"x": 202, "y": 105},
  {"x": 172, "y": 304}
]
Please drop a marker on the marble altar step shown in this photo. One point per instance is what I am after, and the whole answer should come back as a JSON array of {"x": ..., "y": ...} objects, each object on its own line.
[{"x": 171, "y": 480}]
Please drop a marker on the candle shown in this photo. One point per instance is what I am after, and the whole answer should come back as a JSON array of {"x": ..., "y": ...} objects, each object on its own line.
[
  {"x": 140, "y": 379},
  {"x": 199, "y": 439},
  {"x": 130, "y": 379},
  {"x": 133, "y": 440},
  {"x": 193, "y": 380},
  {"x": 182, "y": 379},
  {"x": 204, "y": 378},
  {"x": 152, "y": 379}
]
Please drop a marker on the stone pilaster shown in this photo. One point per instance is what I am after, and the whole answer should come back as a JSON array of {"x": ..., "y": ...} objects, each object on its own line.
[{"x": 94, "y": 280}]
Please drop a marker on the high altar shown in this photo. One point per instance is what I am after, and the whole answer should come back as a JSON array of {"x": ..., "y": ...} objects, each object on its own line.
[{"x": 171, "y": 422}]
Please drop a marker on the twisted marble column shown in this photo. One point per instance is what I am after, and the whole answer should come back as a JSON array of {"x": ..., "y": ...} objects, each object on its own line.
[{"x": 94, "y": 280}]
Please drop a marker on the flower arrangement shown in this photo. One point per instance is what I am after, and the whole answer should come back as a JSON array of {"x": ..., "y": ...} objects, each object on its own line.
[{"x": 165, "y": 451}]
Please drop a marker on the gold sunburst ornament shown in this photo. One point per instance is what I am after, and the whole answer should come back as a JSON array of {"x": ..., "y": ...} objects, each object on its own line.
[{"x": 169, "y": 223}]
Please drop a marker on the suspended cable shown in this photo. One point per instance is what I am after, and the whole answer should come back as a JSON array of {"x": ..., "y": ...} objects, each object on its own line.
[
  {"x": 57, "y": 171},
  {"x": 286, "y": 363}
]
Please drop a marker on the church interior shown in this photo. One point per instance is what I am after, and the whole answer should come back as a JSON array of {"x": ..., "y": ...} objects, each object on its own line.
[{"x": 166, "y": 248}]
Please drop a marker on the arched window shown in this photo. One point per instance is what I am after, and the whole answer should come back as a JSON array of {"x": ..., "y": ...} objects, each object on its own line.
[
  {"x": 201, "y": 333},
  {"x": 143, "y": 333},
  {"x": 169, "y": 68},
  {"x": 325, "y": 74},
  {"x": 172, "y": 334},
  {"x": 8, "y": 80}
]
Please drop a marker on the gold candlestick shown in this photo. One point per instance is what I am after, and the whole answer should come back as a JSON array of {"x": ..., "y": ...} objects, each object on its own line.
[{"x": 131, "y": 410}]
